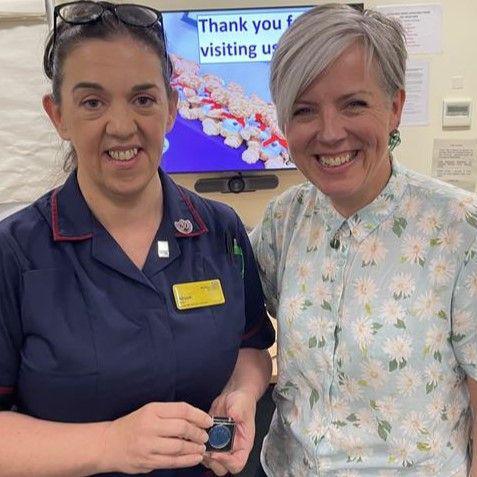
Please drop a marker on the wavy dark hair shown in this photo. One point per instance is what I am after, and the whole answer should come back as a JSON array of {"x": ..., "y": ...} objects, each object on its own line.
[{"x": 106, "y": 27}]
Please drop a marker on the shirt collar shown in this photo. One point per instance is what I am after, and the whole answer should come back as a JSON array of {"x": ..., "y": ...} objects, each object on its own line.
[
  {"x": 72, "y": 220},
  {"x": 180, "y": 210},
  {"x": 365, "y": 220}
]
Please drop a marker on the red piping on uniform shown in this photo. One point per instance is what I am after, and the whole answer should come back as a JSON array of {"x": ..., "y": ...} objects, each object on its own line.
[
  {"x": 6, "y": 390},
  {"x": 57, "y": 235},
  {"x": 202, "y": 227}
]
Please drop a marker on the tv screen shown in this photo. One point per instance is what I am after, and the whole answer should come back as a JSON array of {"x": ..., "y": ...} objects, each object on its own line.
[{"x": 225, "y": 119}]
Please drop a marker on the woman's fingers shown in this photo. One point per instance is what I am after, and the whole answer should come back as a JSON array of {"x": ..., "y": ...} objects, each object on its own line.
[
  {"x": 174, "y": 462},
  {"x": 171, "y": 446},
  {"x": 158, "y": 435},
  {"x": 215, "y": 466},
  {"x": 233, "y": 462},
  {"x": 182, "y": 410},
  {"x": 181, "y": 428}
]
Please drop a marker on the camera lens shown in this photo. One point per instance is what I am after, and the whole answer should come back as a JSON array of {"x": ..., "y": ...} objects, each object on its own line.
[
  {"x": 219, "y": 436},
  {"x": 236, "y": 184}
]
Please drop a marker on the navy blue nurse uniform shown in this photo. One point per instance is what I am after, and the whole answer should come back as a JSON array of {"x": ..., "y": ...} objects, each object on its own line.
[{"x": 86, "y": 336}]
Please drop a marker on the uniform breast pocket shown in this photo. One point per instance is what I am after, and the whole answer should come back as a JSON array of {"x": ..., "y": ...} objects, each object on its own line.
[
  {"x": 229, "y": 317},
  {"x": 56, "y": 325}
]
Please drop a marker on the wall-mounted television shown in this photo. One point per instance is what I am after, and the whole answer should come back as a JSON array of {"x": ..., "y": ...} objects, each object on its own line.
[{"x": 225, "y": 119}]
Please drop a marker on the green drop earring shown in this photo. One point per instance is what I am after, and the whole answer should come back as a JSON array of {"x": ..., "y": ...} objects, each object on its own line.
[{"x": 394, "y": 139}]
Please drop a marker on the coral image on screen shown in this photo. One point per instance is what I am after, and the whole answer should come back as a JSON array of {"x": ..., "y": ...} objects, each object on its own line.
[{"x": 225, "y": 121}]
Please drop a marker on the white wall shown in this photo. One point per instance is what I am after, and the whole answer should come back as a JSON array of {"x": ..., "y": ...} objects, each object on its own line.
[{"x": 36, "y": 164}]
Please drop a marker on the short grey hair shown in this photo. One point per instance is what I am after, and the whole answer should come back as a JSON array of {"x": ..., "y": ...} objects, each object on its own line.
[{"x": 319, "y": 36}]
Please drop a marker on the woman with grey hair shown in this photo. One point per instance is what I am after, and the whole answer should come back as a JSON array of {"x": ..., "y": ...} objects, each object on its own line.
[{"x": 369, "y": 268}]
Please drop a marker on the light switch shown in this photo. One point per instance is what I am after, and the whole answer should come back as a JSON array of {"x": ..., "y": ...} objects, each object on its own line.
[{"x": 457, "y": 113}]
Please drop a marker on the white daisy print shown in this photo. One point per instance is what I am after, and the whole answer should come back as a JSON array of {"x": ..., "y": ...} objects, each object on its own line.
[
  {"x": 402, "y": 285},
  {"x": 408, "y": 381},
  {"x": 348, "y": 315},
  {"x": 428, "y": 305},
  {"x": 322, "y": 328},
  {"x": 470, "y": 354},
  {"x": 437, "y": 443},
  {"x": 453, "y": 411},
  {"x": 292, "y": 307},
  {"x": 374, "y": 374},
  {"x": 436, "y": 406},
  {"x": 365, "y": 289},
  {"x": 366, "y": 420},
  {"x": 363, "y": 332},
  {"x": 316, "y": 236},
  {"x": 413, "y": 424},
  {"x": 411, "y": 205},
  {"x": 322, "y": 292},
  {"x": 382, "y": 205},
  {"x": 343, "y": 355},
  {"x": 341, "y": 409},
  {"x": 350, "y": 388},
  {"x": 471, "y": 284},
  {"x": 316, "y": 427},
  {"x": 399, "y": 348},
  {"x": 376, "y": 338},
  {"x": 441, "y": 271},
  {"x": 329, "y": 269},
  {"x": 388, "y": 408},
  {"x": 436, "y": 338},
  {"x": 451, "y": 239},
  {"x": 433, "y": 375},
  {"x": 402, "y": 451},
  {"x": 373, "y": 251},
  {"x": 430, "y": 222},
  {"x": 414, "y": 249},
  {"x": 458, "y": 209},
  {"x": 462, "y": 323},
  {"x": 355, "y": 448},
  {"x": 400, "y": 185},
  {"x": 393, "y": 313},
  {"x": 304, "y": 271}
]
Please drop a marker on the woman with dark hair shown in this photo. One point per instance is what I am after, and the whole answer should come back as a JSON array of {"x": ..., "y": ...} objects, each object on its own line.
[{"x": 130, "y": 307}]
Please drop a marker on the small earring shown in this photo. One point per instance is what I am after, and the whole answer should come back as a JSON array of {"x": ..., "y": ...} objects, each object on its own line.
[{"x": 394, "y": 139}]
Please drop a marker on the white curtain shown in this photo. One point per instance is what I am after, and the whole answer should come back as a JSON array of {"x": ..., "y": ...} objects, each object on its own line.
[{"x": 30, "y": 163}]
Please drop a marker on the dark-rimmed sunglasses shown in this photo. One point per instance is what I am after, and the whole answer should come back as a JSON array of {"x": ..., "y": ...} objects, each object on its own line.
[{"x": 85, "y": 11}]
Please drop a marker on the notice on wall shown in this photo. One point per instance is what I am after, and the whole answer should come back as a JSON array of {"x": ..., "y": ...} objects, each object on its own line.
[
  {"x": 422, "y": 24},
  {"x": 416, "y": 107},
  {"x": 455, "y": 161}
]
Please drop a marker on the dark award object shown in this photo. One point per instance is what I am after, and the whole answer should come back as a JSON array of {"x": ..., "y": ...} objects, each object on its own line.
[{"x": 221, "y": 435}]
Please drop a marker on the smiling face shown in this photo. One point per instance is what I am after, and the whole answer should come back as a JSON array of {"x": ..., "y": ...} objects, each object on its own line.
[
  {"x": 115, "y": 111},
  {"x": 339, "y": 130}
]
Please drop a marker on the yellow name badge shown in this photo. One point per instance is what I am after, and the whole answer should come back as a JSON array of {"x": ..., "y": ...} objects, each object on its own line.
[{"x": 198, "y": 294}]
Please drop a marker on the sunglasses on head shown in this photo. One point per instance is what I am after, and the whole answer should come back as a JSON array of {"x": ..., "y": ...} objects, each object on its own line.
[{"x": 84, "y": 11}]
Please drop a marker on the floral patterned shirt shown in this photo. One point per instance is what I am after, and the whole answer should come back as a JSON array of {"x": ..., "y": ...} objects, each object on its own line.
[{"x": 377, "y": 330}]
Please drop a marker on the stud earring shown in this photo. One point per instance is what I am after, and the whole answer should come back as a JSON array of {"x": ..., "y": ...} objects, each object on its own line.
[{"x": 394, "y": 139}]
